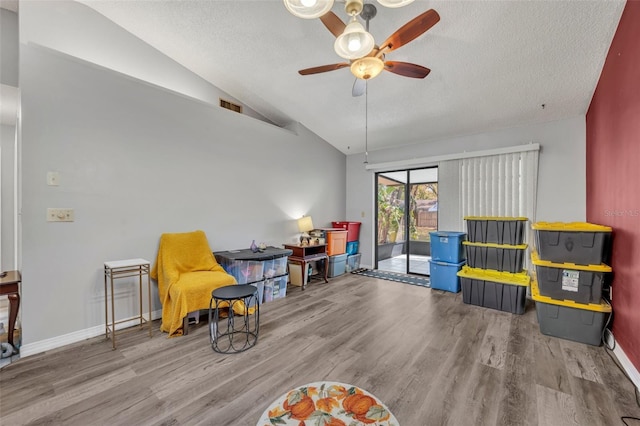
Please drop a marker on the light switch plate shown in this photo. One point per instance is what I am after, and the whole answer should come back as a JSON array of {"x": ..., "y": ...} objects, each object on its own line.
[{"x": 60, "y": 215}]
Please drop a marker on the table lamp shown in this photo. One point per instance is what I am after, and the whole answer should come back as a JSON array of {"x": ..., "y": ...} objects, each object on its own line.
[{"x": 305, "y": 225}]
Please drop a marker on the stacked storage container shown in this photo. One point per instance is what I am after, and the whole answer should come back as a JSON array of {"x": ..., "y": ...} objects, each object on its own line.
[
  {"x": 337, "y": 265},
  {"x": 570, "y": 276},
  {"x": 267, "y": 270},
  {"x": 353, "y": 236},
  {"x": 447, "y": 258},
  {"x": 494, "y": 276},
  {"x": 336, "y": 240}
]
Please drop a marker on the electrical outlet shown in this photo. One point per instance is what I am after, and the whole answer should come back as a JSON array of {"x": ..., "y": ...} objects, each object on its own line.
[
  {"x": 60, "y": 215},
  {"x": 53, "y": 178}
]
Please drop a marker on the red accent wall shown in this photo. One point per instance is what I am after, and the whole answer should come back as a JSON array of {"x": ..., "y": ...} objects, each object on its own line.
[{"x": 613, "y": 173}]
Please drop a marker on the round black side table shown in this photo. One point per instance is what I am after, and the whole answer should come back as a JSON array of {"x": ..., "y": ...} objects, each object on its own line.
[{"x": 241, "y": 332}]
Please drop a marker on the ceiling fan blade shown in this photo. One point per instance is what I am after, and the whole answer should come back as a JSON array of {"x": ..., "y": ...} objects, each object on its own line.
[
  {"x": 411, "y": 30},
  {"x": 333, "y": 23},
  {"x": 359, "y": 87},
  {"x": 323, "y": 68},
  {"x": 406, "y": 69}
]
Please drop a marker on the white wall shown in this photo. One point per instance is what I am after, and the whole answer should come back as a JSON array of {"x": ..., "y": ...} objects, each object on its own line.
[
  {"x": 561, "y": 176},
  {"x": 7, "y": 153},
  {"x": 8, "y": 80},
  {"x": 78, "y": 30},
  {"x": 136, "y": 160},
  {"x": 9, "y": 47}
]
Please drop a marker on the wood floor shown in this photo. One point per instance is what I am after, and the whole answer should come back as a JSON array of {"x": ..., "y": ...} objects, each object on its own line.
[{"x": 432, "y": 359}]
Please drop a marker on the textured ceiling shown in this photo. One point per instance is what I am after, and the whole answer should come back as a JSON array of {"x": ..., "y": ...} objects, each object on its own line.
[{"x": 493, "y": 63}]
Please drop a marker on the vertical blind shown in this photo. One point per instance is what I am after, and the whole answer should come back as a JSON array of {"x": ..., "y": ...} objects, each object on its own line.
[
  {"x": 492, "y": 185},
  {"x": 499, "y": 185}
]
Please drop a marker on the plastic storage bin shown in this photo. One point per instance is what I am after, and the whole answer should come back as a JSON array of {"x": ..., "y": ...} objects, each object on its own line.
[
  {"x": 444, "y": 275},
  {"x": 337, "y": 265},
  {"x": 260, "y": 286},
  {"x": 446, "y": 246},
  {"x": 578, "y": 242},
  {"x": 497, "y": 230},
  {"x": 352, "y": 247},
  {"x": 504, "y": 291},
  {"x": 280, "y": 287},
  {"x": 568, "y": 281},
  {"x": 248, "y": 267},
  {"x": 275, "y": 267},
  {"x": 244, "y": 271},
  {"x": 353, "y": 229},
  {"x": 353, "y": 262},
  {"x": 268, "y": 291},
  {"x": 570, "y": 320},
  {"x": 499, "y": 257},
  {"x": 336, "y": 240}
]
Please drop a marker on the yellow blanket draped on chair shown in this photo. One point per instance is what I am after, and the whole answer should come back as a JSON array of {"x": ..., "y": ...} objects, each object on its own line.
[{"x": 187, "y": 272}]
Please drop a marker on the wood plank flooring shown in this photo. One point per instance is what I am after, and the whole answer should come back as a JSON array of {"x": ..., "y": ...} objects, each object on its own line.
[{"x": 430, "y": 357}]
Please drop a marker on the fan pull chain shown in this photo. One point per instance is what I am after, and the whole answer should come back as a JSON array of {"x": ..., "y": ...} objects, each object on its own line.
[{"x": 366, "y": 122}]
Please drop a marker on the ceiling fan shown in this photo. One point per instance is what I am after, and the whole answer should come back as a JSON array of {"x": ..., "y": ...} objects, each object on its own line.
[{"x": 371, "y": 64}]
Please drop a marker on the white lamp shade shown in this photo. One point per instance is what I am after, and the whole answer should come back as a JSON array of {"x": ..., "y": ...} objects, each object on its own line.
[
  {"x": 394, "y": 3},
  {"x": 308, "y": 9},
  {"x": 367, "y": 68},
  {"x": 354, "y": 42},
  {"x": 305, "y": 224}
]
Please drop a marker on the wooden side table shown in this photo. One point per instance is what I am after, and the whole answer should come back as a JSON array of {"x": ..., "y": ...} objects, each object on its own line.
[
  {"x": 122, "y": 269},
  {"x": 10, "y": 285},
  {"x": 305, "y": 254}
]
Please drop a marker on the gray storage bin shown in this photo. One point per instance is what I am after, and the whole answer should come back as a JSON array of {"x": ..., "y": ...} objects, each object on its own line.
[
  {"x": 499, "y": 257},
  {"x": 503, "y": 291},
  {"x": 497, "y": 230},
  {"x": 580, "y": 243},
  {"x": 569, "y": 320},
  {"x": 568, "y": 281},
  {"x": 337, "y": 265}
]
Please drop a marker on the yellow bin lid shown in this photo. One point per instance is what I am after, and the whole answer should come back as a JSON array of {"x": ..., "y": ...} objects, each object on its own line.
[
  {"x": 493, "y": 218},
  {"x": 570, "y": 227},
  {"x": 603, "y": 306},
  {"x": 521, "y": 278},
  {"x": 493, "y": 245},
  {"x": 591, "y": 268}
]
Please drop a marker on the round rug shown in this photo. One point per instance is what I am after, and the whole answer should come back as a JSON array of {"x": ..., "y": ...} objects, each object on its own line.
[{"x": 327, "y": 403}]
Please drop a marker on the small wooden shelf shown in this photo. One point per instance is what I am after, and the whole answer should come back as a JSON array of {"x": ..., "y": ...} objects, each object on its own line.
[{"x": 310, "y": 253}]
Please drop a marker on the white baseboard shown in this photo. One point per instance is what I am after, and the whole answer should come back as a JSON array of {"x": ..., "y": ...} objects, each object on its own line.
[
  {"x": 76, "y": 336},
  {"x": 631, "y": 370}
]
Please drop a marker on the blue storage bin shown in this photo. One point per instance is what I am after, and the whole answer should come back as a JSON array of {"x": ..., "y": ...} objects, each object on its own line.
[
  {"x": 352, "y": 247},
  {"x": 444, "y": 275},
  {"x": 337, "y": 265},
  {"x": 446, "y": 246}
]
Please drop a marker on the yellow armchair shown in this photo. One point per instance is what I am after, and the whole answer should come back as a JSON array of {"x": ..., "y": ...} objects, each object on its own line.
[{"x": 187, "y": 272}]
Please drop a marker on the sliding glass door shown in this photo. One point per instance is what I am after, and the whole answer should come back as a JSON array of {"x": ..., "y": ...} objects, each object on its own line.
[
  {"x": 423, "y": 218},
  {"x": 406, "y": 211}
]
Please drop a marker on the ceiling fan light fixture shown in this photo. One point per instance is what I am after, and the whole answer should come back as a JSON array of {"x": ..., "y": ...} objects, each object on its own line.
[
  {"x": 308, "y": 9},
  {"x": 353, "y": 7},
  {"x": 355, "y": 42},
  {"x": 394, "y": 3},
  {"x": 367, "y": 68}
]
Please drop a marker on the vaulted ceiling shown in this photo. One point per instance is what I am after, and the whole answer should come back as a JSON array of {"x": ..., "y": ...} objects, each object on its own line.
[{"x": 494, "y": 64}]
